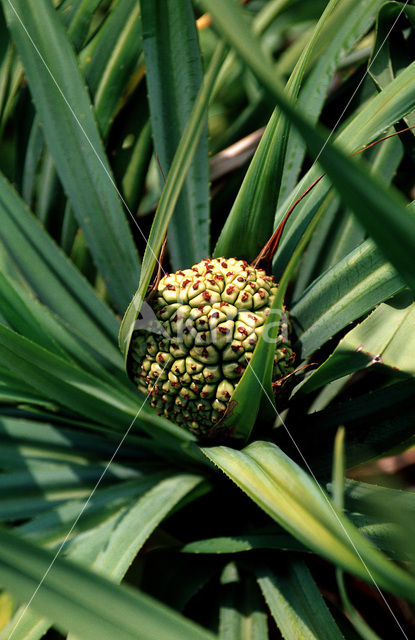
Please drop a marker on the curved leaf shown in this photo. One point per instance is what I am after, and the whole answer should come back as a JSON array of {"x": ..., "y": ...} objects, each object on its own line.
[
  {"x": 296, "y": 603},
  {"x": 295, "y": 500},
  {"x": 344, "y": 293},
  {"x": 250, "y": 222},
  {"x": 139, "y": 520},
  {"x": 386, "y": 337},
  {"x": 80, "y": 601}
]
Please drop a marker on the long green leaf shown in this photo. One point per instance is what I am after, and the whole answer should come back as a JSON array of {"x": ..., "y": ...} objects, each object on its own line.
[
  {"x": 388, "y": 55},
  {"x": 61, "y": 443},
  {"x": 372, "y": 120},
  {"x": 375, "y": 421},
  {"x": 386, "y": 336},
  {"x": 76, "y": 15},
  {"x": 338, "y": 498},
  {"x": 31, "y": 625},
  {"x": 80, "y": 601},
  {"x": 72, "y": 137},
  {"x": 241, "y": 610},
  {"x": 344, "y": 293},
  {"x": 339, "y": 230},
  {"x": 65, "y": 383},
  {"x": 175, "y": 179},
  {"x": 174, "y": 75},
  {"x": 347, "y": 26},
  {"x": 80, "y": 515},
  {"x": 292, "y": 498},
  {"x": 239, "y": 544},
  {"x": 296, "y": 603},
  {"x": 32, "y": 492},
  {"x": 110, "y": 58},
  {"x": 250, "y": 222},
  {"x": 107, "y": 63},
  {"x": 139, "y": 521},
  {"x": 53, "y": 278},
  {"x": 25, "y": 315},
  {"x": 393, "y": 229},
  {"x": 360, "y": 496}
]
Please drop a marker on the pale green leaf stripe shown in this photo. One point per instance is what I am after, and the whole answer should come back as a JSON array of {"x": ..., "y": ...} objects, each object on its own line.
[
  {"x": 110, "y": 546},
  {"x": 83, "y": 602},
  {"x": 139, "y": 520},
  {"x": 296, "y": 603},
  {"x": 241, "y": 611},
  {"x": 393, "y": 228},
  {"x": 109, "y": 59},
  {"x": 174, "y": 75},
  {"x": 73, "y": 140},
  {"x": 292, "y": 498},
  {"x": 175, "y": 179},
  {"x": 76, "y": 15}
]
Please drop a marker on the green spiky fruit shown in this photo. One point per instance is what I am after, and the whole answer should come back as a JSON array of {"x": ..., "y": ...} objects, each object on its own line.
[{"x": 211, "y": 316}]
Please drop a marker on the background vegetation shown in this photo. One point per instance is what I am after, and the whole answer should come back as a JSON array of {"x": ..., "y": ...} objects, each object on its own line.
[{"x": 247, "y": 541}]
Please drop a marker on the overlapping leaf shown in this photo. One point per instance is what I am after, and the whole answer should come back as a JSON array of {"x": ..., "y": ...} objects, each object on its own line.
[
  {"x": 85, "y": 603},
  {"x": 72, "y": 137},
  {"x": 300, "y": 505},
  {"x": 174, "y": 76}
]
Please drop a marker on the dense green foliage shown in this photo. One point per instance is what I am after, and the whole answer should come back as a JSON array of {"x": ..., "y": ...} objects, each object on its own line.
[{"x": 122, "y": 121}]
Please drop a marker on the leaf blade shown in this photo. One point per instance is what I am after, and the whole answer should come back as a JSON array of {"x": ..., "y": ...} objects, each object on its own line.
[
  {"x": 174, "y": 76},
  {"x": 74, "y": 142},
  {"x": 82, "y": 602}
]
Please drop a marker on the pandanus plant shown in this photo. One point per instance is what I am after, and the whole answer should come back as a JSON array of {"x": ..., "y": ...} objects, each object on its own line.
[{"x": 276, "y": 323}]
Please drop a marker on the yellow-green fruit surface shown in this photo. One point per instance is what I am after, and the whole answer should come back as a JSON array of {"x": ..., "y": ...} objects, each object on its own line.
[{"x": 210, "y": 318}]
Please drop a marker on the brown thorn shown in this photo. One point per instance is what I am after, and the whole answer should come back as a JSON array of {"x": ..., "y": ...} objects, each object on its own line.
[
  {"x": 391, "y": 135},
  {"x": 267, "y": 253},
  {"x": 160, "y": 169},
  {"x": 279, "y": 383},
  {"x": 153, "y": 286}
]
